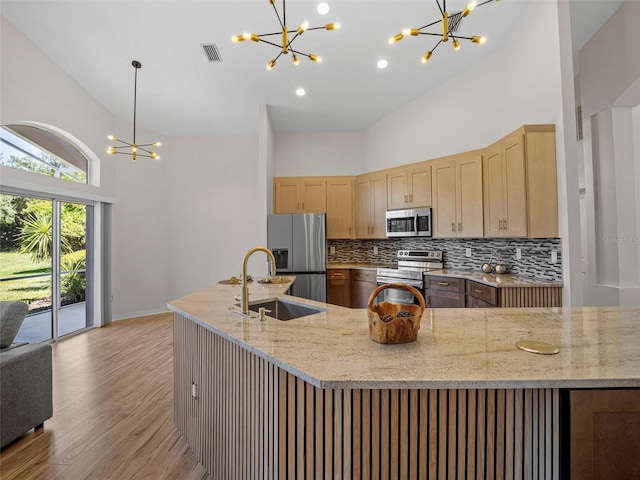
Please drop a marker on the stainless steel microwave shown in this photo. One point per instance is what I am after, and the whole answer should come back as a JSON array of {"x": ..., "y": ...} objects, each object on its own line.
[{"x": 414, "y": 222}]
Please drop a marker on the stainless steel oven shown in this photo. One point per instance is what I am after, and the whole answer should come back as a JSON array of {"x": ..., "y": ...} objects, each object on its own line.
[
  {"x": 409, "y": 223},
  {"x": 412, "y": 264}
]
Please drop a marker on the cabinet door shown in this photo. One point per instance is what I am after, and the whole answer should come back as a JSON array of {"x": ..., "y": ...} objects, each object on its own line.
[
  {"x": 379, "y": 205},
  {"x": 313, "y": 196},
  {"x": 340, "y": 208},
  {"x": 444, "y": 299},
  {"x": 287, "y": 195},
  {"x": 493, "y": 192},
  {"x": 469, "y": 212},
  {"x": 443, "y": 190},
  {"x": 363, "y": 207},
  {"x": 339, "y": 287},
  {"x": 397, "y": 191},
  {"x": 515, "y": 186},
  {"x": 419, "y": 186}
]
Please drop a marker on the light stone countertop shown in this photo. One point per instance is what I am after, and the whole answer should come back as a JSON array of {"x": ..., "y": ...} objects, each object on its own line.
[
  {"x": 456, "y": 348},
  {"x": 363, "y": 266},
  {"x": 495, "y": 279}
]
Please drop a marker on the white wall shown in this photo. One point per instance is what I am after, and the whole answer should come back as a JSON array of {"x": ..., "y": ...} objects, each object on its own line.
[
  {"x": 517, "y": 85},
  {"x": 215, "y": 210},
  {"x": 608, "y": 81},
  {"x": 333, "y": 153}
]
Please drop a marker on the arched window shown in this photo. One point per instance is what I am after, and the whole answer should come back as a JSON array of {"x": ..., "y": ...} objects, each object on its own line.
[{"x": 46, "y": 151}]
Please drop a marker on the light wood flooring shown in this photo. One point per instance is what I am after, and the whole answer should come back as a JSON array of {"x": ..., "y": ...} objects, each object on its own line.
[{"x": 112, "y": 410}]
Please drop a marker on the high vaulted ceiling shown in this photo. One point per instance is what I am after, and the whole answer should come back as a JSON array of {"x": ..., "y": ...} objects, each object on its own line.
[{"x": 181, "y": 92}]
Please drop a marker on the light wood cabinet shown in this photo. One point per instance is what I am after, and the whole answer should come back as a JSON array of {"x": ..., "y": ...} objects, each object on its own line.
[
  {"x": 457, "y": 196},
  {"x": 520, "y": 184},
  {"x": 409, "y": 187},
  {"x": 299, "y": 195},
  {"x": 340, "y": 207},
  {"x": 371, "y": 205}
]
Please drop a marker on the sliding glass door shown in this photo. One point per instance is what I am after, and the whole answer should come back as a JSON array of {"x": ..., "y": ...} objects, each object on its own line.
[{"x": 46, "y": 261}]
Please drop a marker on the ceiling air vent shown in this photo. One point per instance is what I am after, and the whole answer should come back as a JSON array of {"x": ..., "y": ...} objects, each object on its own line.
[{"x": 211, "y": 51}]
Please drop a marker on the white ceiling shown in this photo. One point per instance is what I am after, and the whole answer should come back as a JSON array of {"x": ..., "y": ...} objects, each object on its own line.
[{"x": 181, "y": 93}]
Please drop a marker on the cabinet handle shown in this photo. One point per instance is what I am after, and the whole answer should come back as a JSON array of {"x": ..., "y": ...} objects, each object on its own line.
[
  {"x": 411, "y": 198},
  {"x": 338, "y": 274},
  {"x": 477, "y": 291},
  {"x": 453, "y": 226},
  {"x": 499, "y": 224},
  {"x": 459, "y": 226},
  {"x": 442, "y": 283},
  {"x": 405, "y": 199},
  {"x": 302, "y": 205},
  {"x": 504, "y": 223},
  {"x": 298, "y": 205},
  {"x": 349, "y": 230},
  {"x": 428, "y": 301}
]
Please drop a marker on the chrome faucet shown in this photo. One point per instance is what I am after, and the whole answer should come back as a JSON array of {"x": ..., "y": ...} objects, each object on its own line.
[{"x": 245, "y": 289}]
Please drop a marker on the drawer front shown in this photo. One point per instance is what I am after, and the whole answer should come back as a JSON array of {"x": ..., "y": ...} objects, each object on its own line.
[
  {"x": 364, "y": 275},
  {"x": 337, "y": 274},
  {"x": 473, "y": 302},
  {"x": 482, "y": 292},
  {"x": 444, "y": 283},
  {"x": 444, "y": 299}
]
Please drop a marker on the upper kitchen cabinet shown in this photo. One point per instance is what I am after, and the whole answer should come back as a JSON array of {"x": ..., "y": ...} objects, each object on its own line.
[
  {"x": 409, "y": 187},
  {"x": 340, "y": 208},
  {"x": 371, "y": 205},
  {"x": 300, "y": 195},
  {"x": 520, "y": 185},
  {"x": 457, "y": 196}
]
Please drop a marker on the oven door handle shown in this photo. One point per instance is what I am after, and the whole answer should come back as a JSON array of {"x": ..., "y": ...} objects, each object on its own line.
[{"x": 406, "y": 281}]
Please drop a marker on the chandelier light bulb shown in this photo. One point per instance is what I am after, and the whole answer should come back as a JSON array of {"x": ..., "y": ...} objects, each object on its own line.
[
  {"x": 426, "y": 56},
  {"x": 271, "y": 64},
  {"x": 477, "y": 39},
  {"x": 382, "y": 63},
  {"x": 323, "y": 8},
  {"x": 315, "y": 58},
  {"x": 456, "y": 45},
  {"x": 300, "y": 92},
  {"x": 332, "y": 26},
  {"x": 395, "y": 39},
  {"x": 473, "y": 4},
  {"x": 301, "y": 29},
  {"x": 295, "y": 59}
]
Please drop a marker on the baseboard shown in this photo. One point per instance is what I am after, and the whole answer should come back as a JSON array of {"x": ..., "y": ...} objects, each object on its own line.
[{"x": 139, "y": 314}]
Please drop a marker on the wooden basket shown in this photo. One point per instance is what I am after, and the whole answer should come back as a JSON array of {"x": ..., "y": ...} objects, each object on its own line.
[{"x": 400, "y": 329}]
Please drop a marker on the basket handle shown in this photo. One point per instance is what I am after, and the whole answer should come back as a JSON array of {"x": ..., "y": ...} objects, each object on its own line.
[{"x": 402, "y": 286}]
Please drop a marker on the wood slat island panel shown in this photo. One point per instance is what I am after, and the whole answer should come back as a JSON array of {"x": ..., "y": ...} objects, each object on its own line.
[{"x": 252, "y": 419}]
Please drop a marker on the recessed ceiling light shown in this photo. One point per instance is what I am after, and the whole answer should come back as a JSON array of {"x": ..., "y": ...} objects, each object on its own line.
[
  {"x": 382, "y": 64},
  {"x": 300, "y": 92},
  {"x": 323, "y": 8}
]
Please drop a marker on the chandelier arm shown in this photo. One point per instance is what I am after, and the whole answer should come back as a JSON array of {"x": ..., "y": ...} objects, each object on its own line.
[
  {"x": 437, "y": 44},
  {"x": 270, "y": 34},
  {"x": 278, "y": 14},
  {"x": 279, "y": 55},
  {"x": 431, "y": 24},
  {"x": 271, "y": 43},
  {"x": 484, "y": 3},
  {"x": 315, "y": 28},
  {"x": 430, "y": 34},
  {"x": 442, "y": 8},
  {"x": 464, "y": 38}
]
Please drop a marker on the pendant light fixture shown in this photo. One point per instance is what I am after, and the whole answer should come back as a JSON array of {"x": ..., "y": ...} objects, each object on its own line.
[
  {"x": 134, "y": 149},
  {"x": 449, "y": 28},
  {"x": 286, "y": 42}
]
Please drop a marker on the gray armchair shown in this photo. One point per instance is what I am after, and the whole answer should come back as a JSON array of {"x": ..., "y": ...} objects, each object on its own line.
[{"x": 26, "y": 399}]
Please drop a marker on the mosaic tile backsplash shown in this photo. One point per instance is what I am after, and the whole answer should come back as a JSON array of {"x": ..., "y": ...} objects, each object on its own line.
[{"x": 535, "y": 262}]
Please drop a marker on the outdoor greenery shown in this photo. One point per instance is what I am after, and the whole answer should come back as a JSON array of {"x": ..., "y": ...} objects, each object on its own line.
[{"x": 26, "y": 236}]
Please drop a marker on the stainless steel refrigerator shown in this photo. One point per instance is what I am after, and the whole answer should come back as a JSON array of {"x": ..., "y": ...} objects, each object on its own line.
[{"x": 299, "y": 244}]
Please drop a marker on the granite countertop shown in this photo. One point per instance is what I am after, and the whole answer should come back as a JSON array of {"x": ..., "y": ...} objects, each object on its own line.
[
  {"x": 456, "y": 348},
  {"x": 495, "y": 279},
  {"x": 363, "y": 266}
]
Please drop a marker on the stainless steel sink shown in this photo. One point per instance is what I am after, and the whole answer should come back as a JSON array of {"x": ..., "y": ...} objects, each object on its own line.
[{"x": 284, "y": 309}]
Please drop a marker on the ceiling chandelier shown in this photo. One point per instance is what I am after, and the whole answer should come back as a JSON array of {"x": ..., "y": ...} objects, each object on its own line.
[
  {"x": 126, "y": 148},
  {"x": 287, "y": 41},
  {"x": 449, "y": 28}
]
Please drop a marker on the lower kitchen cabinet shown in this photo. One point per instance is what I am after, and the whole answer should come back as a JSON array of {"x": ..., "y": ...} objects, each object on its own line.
[
  {"x": 339, "y": 287},
  {"x": 363, "y": 282},
  {"x": 444, "y": 292},
  {"x": 604, "y": 435},
  {"x": 480, "y": 295}
]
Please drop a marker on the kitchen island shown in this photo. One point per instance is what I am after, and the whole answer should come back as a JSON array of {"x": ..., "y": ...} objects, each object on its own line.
[{"x": 315, "y": 397}]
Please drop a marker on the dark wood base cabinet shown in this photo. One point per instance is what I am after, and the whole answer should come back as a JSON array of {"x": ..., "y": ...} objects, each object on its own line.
[
  {"x": 604, "y": 434},
  {"x": 339, "y": 287},
  {"x": 363, "y": 282},
  {"x": 444, "y": 292}
]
